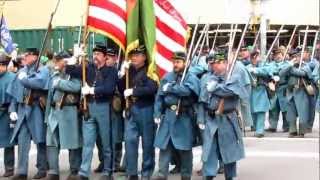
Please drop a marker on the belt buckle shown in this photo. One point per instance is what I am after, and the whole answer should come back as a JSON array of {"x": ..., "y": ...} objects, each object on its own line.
[{"x": 173, "y": 107}]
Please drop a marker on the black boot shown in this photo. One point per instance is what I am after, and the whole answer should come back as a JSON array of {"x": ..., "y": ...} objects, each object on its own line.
[
  {"x": 208, "y": 177},
  {"x": 19, "y": 177},
  {"x": 99, "y": 169},
  {"x": 134, "y": 177},
  {"x": 185, "y": 178},
  {"x": 8, "y": 173},
  {"x": 145, "y": 178},
  {"x": 175, "y": 170},
  {"x": 292, "y": 134},
  {"x": 53, "y": 177},
  {"x": 106, "y": 177},
  {"x": 40, "y": 175}
]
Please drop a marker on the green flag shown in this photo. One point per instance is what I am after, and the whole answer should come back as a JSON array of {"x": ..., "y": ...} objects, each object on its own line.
[{"x": 141, "y": 29}]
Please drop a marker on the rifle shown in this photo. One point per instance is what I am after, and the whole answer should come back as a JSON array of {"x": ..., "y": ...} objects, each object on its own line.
[
  {"x": 314, "y": 44},
  {"x": 188, "y": 62},
  {"x": 215, "y": 38},
  {"x": 202, "y": 44},
  {"x": 290, "y": 42},
  {"x": 274, "y": 41},
  {"x": 256, "y": 39},
  {"x": 29, "y": 99},
  {"x": 199, "y": 40},
  {"x": 231, "y": 65}
]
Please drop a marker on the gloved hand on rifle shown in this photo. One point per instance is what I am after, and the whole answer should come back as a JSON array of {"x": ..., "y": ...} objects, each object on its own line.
[
  {"x": 125, "y": 65},
  {"x": 167, "y": 86},
  {"x": 157, "y": 120},
  {"x": 22, "y": 75},
  {"x": 79, "y": 51},
  {"x": 128, "y": 92},
  {"x": 201, "y": 126},
  {"x": 211, "y": 86},
  {"x": 86, "y": 89}
]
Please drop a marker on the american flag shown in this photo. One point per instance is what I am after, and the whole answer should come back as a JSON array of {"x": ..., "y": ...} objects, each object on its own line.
[
  {"x": 171, "y": 34},
  {"x": 109, "y": 17}
]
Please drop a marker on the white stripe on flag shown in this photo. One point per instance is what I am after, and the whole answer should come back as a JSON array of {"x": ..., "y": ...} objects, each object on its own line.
[
  {"x": 108, "y": 16},
  {"x": 169, "y": 20},
  {"x": 168, "y": 42},
  {"x": 164, "y": 63},
  {"x": 120, "y": 3}
]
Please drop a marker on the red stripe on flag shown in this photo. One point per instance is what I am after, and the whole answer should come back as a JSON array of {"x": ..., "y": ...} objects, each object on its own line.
[
  {"x": 169, "y": 9},
  {"x": 107, "y": 27},
  {"x": 169, "y": 32},
  {"x": 161, "y": 72},
  {"x": 105, "y": 4},
  {"x": 166, "y": 53}
]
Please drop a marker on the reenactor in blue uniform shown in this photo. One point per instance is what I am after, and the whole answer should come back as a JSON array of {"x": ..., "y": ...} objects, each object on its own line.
[
  {"x": 277, "y": 93},
  {"x": 176, "y": 132},
  {"x": 222, "y": 139},
  {"x": 139, "y": 117},
  {"x": 297, "y": 95},
  {"x": 260, "y": 103},
  {"x": 117, "y": 121},
  {"x": 6, "y": 128},
  {"x": 62, "y": 119},
  {"x": 30, "y": 123},
  {"x": 312, "y": 63},
  {"x": 99, "y": 90}
]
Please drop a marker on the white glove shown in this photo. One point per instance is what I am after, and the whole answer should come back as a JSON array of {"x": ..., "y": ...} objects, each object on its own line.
[
  {"x": 276, "y": 78},
  {"x": 211, "y": 85},
  {"x": 13, "y": 116},
  {"x": 22, "y": 75},
  {"x": 71, "y": 61},
  {"x": 85, "y": 90},
  {"x": 165, "y": 87},
  {"x": 157, "y": 120},
  {"x": 14, "y": 54},
  {"x": 78, "y": 51},
  {"x": 201, "y": 126},
  {"x": 252, "y": 70},
  {"x": 128, "y": 92},
  {"x": 125, "y": 65},
  {"x": 55, "y": 82}
]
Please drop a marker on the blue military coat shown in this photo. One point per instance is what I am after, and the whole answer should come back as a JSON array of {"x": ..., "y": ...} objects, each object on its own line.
[
  {"x": 259, "y": 100},
  {"x": 226, "y": 125},
  {"x": 5, "y": 99},
  {"x": 179, "y": 129},
  {"x": 65, "y": 120},
  {"x": 32, "y": 115}
]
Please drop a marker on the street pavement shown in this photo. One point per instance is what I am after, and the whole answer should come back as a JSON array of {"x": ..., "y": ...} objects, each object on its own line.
[{"x": 274, "y": 157}]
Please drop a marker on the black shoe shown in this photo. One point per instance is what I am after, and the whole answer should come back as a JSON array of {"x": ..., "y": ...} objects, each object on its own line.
[
  {"x": 293, "y": 134},
  {"x": 119, "y": 169},
  {"x": 259, "y": 135},
  {"x": 175, "y": 170},
  {"x": 8, "y": 173},
  {"x": 72, "y": 177},
  {"x": 40, "y": 175},
  {"x": 221, "y": 170},
  {"x": 106, "y": 177},
  {"x": 271, "y": 130},
  {"x": 99, "y": 169},
  {"x": 53, "y": 177},
  {"x": 80, "y": 177},
  {"x": 229, "y": 178},
  {"x": 208, "y": 177},
  {"x": 145, "y": 178},
  {"x": 285, "y": 130},
  {"x": 252, "y": 129},
  {"x": 134, "y": 177},
  {"x": 19, "y": 177},
  {"x": 301, "y": 136},
  {"x": 199, "y": 172}
]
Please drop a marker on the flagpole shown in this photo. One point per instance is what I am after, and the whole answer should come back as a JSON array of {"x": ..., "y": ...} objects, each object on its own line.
[{"x": 82, "y": 58}]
